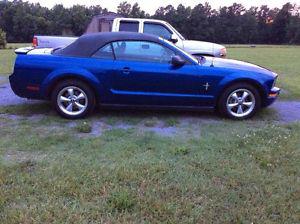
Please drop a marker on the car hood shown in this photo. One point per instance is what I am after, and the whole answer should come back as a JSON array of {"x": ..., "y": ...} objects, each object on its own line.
[
  {"x": 235, "y": 64},
  {"x": 194, "y": 46}
]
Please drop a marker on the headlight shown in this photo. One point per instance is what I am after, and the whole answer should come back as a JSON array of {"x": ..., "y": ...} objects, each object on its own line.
[
  {"x": 223, "y": 52},
  {"x": 275, "y": 79},
  {"x": 274, "y": 83}
]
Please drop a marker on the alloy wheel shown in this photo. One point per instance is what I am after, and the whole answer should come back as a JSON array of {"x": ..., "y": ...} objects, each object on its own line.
[
  {"x": 72, "y": 100},
  {"x": 240, "y": 103}
]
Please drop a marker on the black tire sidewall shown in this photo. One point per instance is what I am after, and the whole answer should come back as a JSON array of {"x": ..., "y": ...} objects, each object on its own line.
[
  {"x": 77, "y": 83},
  {"x": 222, "y": 107}
]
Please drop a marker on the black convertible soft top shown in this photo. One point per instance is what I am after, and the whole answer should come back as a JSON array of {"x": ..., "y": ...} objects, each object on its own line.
[{"x": 88, "y": 44}]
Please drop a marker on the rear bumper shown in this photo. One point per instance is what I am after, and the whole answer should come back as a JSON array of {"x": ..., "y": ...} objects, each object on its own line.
[
  {"x": 15, "y": 86},
  {"x": 272, "y": 96},
  {"x": 23, "y": 89}
]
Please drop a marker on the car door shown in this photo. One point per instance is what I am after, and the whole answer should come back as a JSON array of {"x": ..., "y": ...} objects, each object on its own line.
[{"x": 144, "y": 75}]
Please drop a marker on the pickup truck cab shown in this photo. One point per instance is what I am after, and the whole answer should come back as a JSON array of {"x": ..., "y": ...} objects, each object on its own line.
[
  {"x": 166, "y": 31},
  {"x": 114, "y": 23}
]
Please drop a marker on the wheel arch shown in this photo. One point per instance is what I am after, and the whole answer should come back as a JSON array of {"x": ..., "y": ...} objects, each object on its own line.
[
  {"x": 67, "y": 76},
  {"x": 252, "y": 82}
]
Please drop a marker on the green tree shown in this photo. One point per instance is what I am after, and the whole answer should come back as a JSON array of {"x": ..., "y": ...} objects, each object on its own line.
[
  {"x": 248, "y": 32},
  {"x": 233, "y": 24},
  {"x": 79, "y": 19},
  {"x": 2, "y": 39},
  {"x": 124, "y": 9},
  {"x": 281, "y": 23},
  {"x": 293, "y": 30},
  {"x": 200, "y": 27}
]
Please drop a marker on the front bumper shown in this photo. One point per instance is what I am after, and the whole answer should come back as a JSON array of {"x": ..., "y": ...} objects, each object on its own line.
[{"x": 272, "y": 96}]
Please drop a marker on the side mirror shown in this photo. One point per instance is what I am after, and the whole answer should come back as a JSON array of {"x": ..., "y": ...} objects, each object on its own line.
[
  {"x": 177, "y": 61},
  {"x": 173, "y": 39}
]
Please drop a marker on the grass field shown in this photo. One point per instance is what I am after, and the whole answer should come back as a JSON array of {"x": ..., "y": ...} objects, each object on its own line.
[
  {"x": 285, "y": 60},
  {"x": 7, "y": 57},
  {"x": 152, "y": 167},
  {"x": 212, "y": 171}
]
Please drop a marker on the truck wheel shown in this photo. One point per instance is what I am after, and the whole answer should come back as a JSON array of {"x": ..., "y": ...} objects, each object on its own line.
[
  {"x": 73, "y": 99},
  {"x": 239, "y": 101}
]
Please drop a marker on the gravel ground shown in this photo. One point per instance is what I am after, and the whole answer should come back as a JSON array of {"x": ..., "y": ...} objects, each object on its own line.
[
  {"x": 288, "y": 111},
  {"x": 7, "y": 96}
]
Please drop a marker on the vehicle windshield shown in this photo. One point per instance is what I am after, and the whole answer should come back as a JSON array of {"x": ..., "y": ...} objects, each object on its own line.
[
  {"x": 182, "y": 51},
  {"x": 175, "y": 31}
]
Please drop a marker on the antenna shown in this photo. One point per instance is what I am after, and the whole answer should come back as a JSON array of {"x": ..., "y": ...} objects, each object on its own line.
[{"x": 213, "y": 58}]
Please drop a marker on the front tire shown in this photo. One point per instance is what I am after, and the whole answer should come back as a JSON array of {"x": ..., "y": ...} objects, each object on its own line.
[
  {"x": 73, "y": 99},
  {"x": 239, "y": 101}
]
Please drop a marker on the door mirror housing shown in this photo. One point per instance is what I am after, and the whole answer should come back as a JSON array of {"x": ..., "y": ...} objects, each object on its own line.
[
  {"x": 173, "y": 39},
  {"x": 177, "y": 61}
]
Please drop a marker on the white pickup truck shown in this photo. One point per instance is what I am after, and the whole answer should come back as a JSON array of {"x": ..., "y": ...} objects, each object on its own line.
[{"x": 160, "y": 28}]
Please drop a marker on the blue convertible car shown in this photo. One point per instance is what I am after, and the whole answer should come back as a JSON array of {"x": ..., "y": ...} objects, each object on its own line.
[{"x": 139, "y": 70}]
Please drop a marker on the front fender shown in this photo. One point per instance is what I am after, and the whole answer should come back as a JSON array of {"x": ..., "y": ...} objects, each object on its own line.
[
  {"x": 256, "y": 80},
  {"x": 78, "y": 73}
]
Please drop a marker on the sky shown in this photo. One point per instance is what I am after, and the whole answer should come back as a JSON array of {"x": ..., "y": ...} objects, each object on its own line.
[{"x": 151, "y": 5}]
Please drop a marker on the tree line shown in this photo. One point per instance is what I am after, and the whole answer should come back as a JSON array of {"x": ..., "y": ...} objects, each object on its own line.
[{"x": 233, "y": 24}]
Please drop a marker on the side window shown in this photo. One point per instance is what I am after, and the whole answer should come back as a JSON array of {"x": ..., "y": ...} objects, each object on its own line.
[
  {"x": 129, "y": 26},
  {"x": 158, "y": 30},
  {"x": 104, "y": 52},
  {"x": 142, "y": 51}
]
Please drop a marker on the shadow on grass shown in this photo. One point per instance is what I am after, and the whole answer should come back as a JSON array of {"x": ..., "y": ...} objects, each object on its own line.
[{"x": 45, "y": 108}]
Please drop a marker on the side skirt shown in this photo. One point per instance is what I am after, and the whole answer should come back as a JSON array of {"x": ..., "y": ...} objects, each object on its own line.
[{"x": 157, "y": 107}]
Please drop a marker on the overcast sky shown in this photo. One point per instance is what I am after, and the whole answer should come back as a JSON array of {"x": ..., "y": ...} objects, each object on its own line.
[{"x": 151, "y": 5}]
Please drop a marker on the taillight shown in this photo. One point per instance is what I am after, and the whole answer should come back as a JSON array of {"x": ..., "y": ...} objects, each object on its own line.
[{"x": 35, "y": 42}]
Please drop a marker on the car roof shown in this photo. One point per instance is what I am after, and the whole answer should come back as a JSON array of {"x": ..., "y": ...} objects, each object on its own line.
[{"x": 88, "y": 44}]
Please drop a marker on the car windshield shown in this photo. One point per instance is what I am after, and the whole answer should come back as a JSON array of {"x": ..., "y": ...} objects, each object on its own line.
[
  {"x": 182, "y": 51},
  {"x": 175, "y": 31}
]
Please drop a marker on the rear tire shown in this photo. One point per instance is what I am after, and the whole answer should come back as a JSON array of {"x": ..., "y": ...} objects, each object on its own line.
[
  {"x": 239, "y": 101},
  {"x": 73, "y": 99}
]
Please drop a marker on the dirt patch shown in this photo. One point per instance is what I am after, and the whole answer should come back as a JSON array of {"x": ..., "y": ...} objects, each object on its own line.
[
  {"x": 187, "y": 125},
  {"x": 34, "y": 117},
  {"x": 181, "y": 129},
  {"x": 3, "y": 80}
]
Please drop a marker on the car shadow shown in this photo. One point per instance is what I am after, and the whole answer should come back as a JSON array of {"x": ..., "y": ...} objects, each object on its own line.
[{"x": 45, "y": 108}]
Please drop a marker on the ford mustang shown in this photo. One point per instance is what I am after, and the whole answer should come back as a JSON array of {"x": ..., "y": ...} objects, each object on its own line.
[{"x": 134, "y": 70}]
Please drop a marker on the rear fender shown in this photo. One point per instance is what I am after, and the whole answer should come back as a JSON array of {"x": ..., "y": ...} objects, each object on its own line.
[{"x": 75, "y": 73}]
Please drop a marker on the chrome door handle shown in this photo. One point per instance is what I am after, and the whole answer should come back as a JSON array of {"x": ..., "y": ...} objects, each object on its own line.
[{"x": 126, "y": 71}]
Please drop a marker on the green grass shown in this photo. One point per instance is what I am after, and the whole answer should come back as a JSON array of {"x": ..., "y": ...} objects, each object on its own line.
[
  {"x": 84, "y": 127},
  {"x": 7, "y": 57},
  {"x": 17, "y": 45},
  {"x": 233, "y": 172}
]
